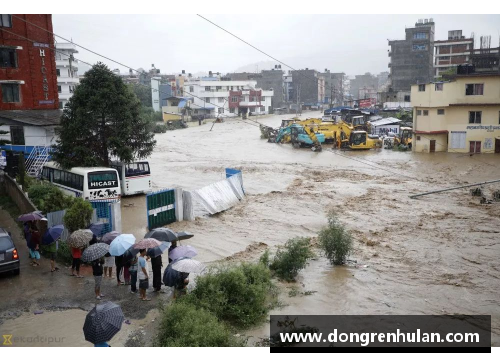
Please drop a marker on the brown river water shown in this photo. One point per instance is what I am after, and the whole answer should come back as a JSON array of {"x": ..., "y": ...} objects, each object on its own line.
[{"x": 439, "y": 254}]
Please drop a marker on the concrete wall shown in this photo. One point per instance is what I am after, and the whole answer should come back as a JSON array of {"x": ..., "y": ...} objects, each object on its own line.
[
  {"x": 17, "y": 195},
  {"x": 423, "y": 144},
  {"x": 33, "y": 136}
]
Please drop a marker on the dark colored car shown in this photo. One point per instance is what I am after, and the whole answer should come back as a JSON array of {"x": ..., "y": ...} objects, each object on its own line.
[{"x": 9, "y": 257}]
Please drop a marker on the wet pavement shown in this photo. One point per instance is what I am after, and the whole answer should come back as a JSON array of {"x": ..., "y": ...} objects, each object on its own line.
[{"x": 433, "y": 255}]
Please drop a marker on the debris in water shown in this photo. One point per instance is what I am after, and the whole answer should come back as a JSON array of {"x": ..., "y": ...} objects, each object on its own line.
[
  {"x": 38, "y": 311},
  {"x": 127, "y": 322}
]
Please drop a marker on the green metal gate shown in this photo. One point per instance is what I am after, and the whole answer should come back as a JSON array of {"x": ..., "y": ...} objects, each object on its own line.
[{"x": 160, "y": 208}]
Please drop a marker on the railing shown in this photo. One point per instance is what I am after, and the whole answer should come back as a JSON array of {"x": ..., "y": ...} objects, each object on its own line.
[{"x": 37, "y": 158}]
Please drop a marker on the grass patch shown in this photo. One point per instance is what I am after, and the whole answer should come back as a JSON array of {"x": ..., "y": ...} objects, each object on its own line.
[
  {"x": 335, "y": 241},
  {"x": 186, "y": 325},
  {"x": 291, "y": 258},
  {"x": 241, "y": 295}
]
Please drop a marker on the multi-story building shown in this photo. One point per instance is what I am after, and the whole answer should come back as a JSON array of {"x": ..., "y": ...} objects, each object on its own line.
[
  {"x": 451, "y": 52},
  {"x": 213, "y": 96},
  {"x": 28, "y": 81},
  {"x": 412, "y": 58},
  {"x": 461, "y": 115},
  {"x": 288, "y": 87},
  {"x": 308, "y": 87},
  {"x": 67, "y": 71},
  {"x": 361, "y": 81}
]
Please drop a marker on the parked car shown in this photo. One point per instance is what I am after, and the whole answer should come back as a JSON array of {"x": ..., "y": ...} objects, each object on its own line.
[{"x": 9, "y": 257}]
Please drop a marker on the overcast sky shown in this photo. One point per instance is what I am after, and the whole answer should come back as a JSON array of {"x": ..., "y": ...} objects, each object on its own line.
[{"x": 353, "y": 44}]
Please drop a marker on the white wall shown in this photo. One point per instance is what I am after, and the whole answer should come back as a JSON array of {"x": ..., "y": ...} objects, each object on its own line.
[{"x": 33, "y": 136}]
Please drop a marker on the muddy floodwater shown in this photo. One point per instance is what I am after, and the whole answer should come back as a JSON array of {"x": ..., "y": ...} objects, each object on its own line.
[{"x": 433, "y": 255}]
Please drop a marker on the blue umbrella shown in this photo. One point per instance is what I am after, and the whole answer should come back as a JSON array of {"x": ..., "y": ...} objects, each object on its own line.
[
  {"x": 97, "y": 228},
  {"x": 52, "y": 234},
  {"x": 121, "y": 244}
]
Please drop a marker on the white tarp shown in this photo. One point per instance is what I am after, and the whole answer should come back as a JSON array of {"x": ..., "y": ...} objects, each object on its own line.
[{"x": 213, "y": 198}]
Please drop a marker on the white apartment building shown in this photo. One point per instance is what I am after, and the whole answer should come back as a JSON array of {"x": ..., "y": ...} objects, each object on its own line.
[
  {"x": 213, "y": 97},
  {"x": 67, "y": 71}
]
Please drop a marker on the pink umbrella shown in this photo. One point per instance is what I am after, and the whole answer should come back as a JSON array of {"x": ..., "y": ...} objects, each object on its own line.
[{"x": 147, "y": 243}]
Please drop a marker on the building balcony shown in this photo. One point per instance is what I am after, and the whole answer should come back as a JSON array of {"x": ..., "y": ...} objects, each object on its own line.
[
  {"x": 65, "y": 96},
  {"x": 214, "y": 94},
  {"x": 251, "y": 104},
  {"x": 68, "y": 80},
  {"x": 65, "y": 63}
]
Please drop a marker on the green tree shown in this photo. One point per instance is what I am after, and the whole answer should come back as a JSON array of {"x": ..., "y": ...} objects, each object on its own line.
[
  {"x": 78, "y": 216},
  {"x": 335, "y": 241},
  {"x": 102, "y": 120},
  {"x": 143, "y": 93},
  {"x": 2, "y": 141}
]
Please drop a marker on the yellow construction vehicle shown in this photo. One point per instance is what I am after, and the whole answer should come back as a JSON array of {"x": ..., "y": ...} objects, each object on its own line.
[
  {"x": 405, "y": 137},
  {"x": 346, "y": 136}
]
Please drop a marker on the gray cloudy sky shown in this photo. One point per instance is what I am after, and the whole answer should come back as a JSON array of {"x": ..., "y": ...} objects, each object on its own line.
[{"x": 354, "y": 44}]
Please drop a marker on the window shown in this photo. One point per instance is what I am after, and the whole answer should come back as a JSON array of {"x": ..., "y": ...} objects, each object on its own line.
[
  {"x": 136, "y": 168},
  {"x": 440, "y": 112},
  {"x": 421, "y": 87},
  {"x": 420, "y": 36},
  {"x": 231, "y": 109},
  {"x": 61, "y": 106},
  {"x": 438, "y": 87},
  {"x": 419, "y": 47},
  {"x": 207, "y": 88},
  {"x": 419, "y": 112},
  {"x": 475, "y": 117},
  {"x": 58, "y": 72},
  {"x": 71, "y": 88},
  {"x": 252, "y": 99},
  {"x": 59, "y": 88},
  {"x": 221, "y": 99},
  {"x": 5, "y": 20},
  {"x": 17, "y": 135},
  {"x": 426, "y": 112},
  {"x": 221, "y": 110},
  {"x": 207, "y": 99},
  {"x": 218, "y": 88},
  {"x": 10, "y": 93},
  {"x": 8, "y": 58},
  {"x": 102, "y": 179},
  {"x": 474, "y": 89},
  {"x": 234, "y": 99},
  {"x": 191, "y": 88},
  {"x": 407, "y": 98},
  {"x": 262, "y": 99},
  {"x": 418, "y": 138}
]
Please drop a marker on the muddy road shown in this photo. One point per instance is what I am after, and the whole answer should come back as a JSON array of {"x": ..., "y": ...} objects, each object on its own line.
[{"x": 433, "y": 255}]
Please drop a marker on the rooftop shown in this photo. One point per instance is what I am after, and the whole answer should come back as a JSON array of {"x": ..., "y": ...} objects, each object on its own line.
[{"x": 49, "y": 117}]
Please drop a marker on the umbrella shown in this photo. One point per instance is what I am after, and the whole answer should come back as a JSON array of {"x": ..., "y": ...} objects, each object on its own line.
[
  {"x": 147, "y": 243},
  {"x": 80, "y": 238},
  {"x": 182, "y": 235},
  {"x": 103, "y": 322},
  {"x": 162, "y": 234},
  {"x": 188, "y": 266},
  {"x": 109, "y": 237},
  {"x": 97, "y": 228},
  {"x": 94, "y": 252},
  {"x": 52, "y": 234},
  {"x": 183, "y": 251},
  {"x": 158, "y": 250},
  {"x": 129, "y": 254},
  {"x": 32, "y": 216},
  {"x": 171, "y": 276},
  {"x": 121, "y": 243}
]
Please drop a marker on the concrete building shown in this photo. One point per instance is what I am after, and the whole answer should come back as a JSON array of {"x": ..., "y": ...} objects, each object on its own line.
[
  {"x": 308, "y": 87},
  {"x": 28, "y": 70},
  {"x": 175, "y": 108},
  {"x": 213, "y": 96},
  {"x": 461, "y": 115},
  {"x": 288, "y": 87},
  {"x": 67, "y": 72},
  {"x": 412, "y": 58},
  {"x": 452, "y": 52},
  {"x": 366, "y": 80},
  {"x": 486, "y": 60}
]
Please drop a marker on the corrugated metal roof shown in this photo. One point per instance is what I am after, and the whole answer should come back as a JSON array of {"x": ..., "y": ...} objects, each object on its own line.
[
  {"x": 49, "y": 117},
  {"x": 384, "y": 121}
]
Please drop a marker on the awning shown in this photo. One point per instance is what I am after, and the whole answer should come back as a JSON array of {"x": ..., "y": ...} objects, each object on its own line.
[
  {"x": 385, "y": 121},
  {"x": 431, "y": 132}
]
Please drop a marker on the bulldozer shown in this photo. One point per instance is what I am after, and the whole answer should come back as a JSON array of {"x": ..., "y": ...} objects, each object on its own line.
[{"x": 405, "y": 137}]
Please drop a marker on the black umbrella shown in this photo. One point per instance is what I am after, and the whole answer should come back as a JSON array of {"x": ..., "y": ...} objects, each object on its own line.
[
  {"x": 158, "y": 250},
  {"x": 103, "y": 322},
  {"x": 130, "y": 254},
  {"x": 182, "y": 235},
  {"x": 170, "y": 276},
  {"x": 162, "y": 234}
]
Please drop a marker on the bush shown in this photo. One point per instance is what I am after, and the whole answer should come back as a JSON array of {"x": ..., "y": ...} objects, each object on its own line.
[
  {"x": 160, "y": 128},
  {"x": 185, "y": 325},
  {"x": 264, "y": 258},
  {"x": 78, "y": 215},
  {"x": 291, "y": 258},
  {"x": 239, "y": 294},
  {"x": 335, "y": 241},
  {"x": 63, "y": 253},
  {"x": 49, "y": 198}
]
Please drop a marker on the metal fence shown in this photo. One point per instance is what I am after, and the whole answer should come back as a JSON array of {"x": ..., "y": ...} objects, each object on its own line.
[{"x": 160, "y": 208}]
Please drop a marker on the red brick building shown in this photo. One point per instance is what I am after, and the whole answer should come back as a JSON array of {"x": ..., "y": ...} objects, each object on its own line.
[{"x": 28, "y": 76}]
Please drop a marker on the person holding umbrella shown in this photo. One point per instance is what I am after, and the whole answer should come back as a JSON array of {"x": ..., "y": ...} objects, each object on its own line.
[
  {"x": 97, "y": 270},
  {"x": 76, "y": 253},
  {"x": 95, "y": 254},
  {"x": 50, "y": 239},
  {"x": 35, "y": 246},
  {"x": 102, "y": 323}
]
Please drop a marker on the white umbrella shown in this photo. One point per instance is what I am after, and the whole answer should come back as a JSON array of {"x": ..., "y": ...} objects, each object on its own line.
[{"x": 188, "y": 266}]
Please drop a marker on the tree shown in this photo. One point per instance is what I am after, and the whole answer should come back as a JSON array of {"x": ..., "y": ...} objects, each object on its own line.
[
  {"x": 78, "y": 216},
  {"x": 3, "y": 142},
  {"x": 102, "y": 120},
  {"x": 143, "y": 92}
]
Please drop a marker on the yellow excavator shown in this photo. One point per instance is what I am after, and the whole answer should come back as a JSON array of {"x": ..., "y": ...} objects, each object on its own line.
[
  {"x": 346, "y": 136},
  {"x": 405, "y": 137}
]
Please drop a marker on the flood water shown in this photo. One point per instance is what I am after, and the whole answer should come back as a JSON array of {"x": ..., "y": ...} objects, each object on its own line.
[{"x": 433, "y": 255}]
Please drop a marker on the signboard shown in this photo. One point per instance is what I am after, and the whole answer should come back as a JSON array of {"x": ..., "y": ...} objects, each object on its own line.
[
  {"x": 367, "y": 103},
  {"x": 46, "y": 102}
]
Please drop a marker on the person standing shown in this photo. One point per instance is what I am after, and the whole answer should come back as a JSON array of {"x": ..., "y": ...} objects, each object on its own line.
[
  {"x": 172, "y": 247},
  {"x": 35, "y": 246},
  {"x": 109, "y": 262},
  {"x": 119, "y": 268},
  {"x": 97, "y": 270},
  {"x": 52, "y": 249},
  {"x": 132, "y": 269},
  {"x": 77, "y": 254},
  {"x": 143, "y": 275},
  {"x": 156, "y": 265},
  {"x": 180, "y": 288},
  {"x": 126, "y": 273}
]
